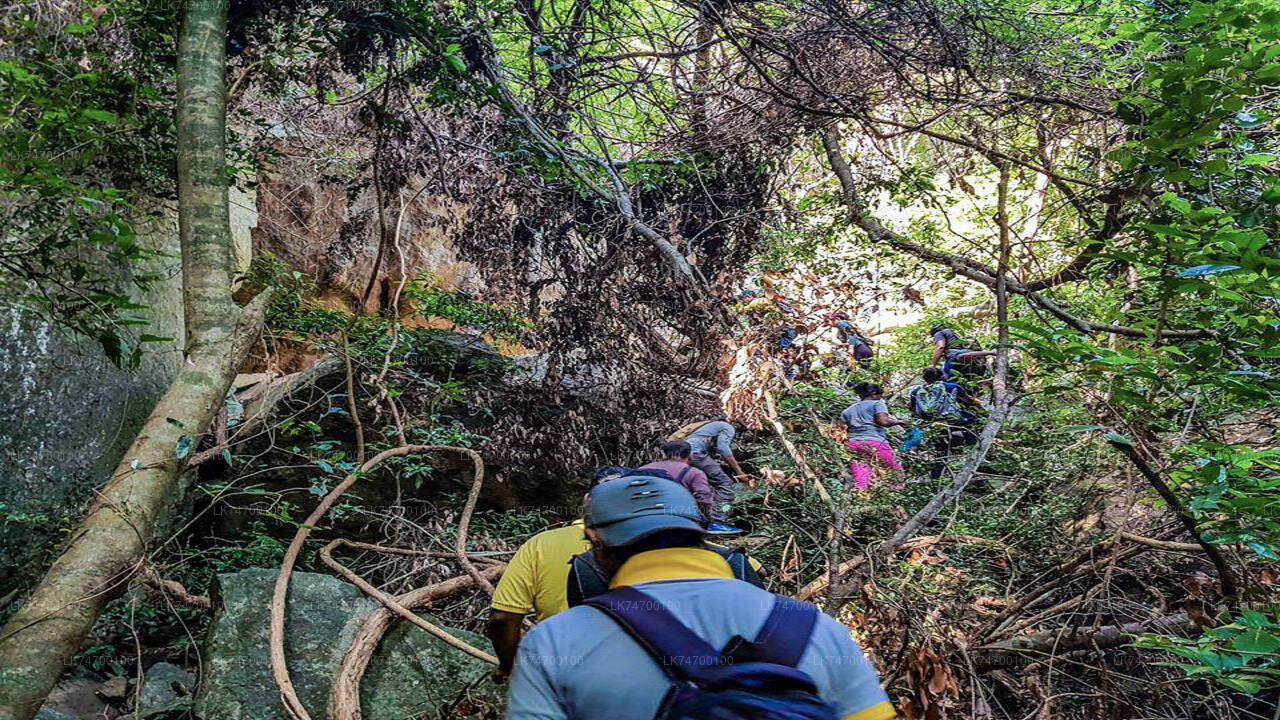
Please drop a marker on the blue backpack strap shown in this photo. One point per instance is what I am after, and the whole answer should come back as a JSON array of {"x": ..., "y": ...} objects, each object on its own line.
[
  {"x": 785, "y": 634},
  {"x": 680, "y": 653}
]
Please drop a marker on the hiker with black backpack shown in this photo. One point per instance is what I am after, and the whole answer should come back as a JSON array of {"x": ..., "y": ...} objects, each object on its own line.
[
  {"x": 949, "y": 350},
  {"x": 939, "y": 403},
  {"x": 678, "y": 637},
  {"x": 536, "y": 581},
  {"x": 860, "y": 351}
]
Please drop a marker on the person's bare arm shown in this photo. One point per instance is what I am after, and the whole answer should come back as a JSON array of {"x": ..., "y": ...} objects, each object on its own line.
[
  {"x": 737, "y": 469},
  {"x": 939, "y": 349},
  {"x": 504, "y": 633},
  {"x": 887, "y": 420}
]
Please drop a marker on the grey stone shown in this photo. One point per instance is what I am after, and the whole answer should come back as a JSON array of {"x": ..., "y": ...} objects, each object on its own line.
[
  {"x": 411, "y": 675},
  {"x": 164, "y": 687}
]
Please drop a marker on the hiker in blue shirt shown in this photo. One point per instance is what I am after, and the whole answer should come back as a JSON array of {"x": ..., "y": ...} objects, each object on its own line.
[
  {"x": 939, "y": 403},
  {"x": 678, "y": 636},
  {"x": 711, "y": 445},
  {"x": 948, "y": 350}
]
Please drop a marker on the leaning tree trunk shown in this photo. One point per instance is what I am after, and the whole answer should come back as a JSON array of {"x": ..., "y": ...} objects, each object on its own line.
[{"x": 114, "y": 537}]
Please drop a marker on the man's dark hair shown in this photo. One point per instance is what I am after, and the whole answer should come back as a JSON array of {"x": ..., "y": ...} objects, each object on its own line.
[
  {"x": 936, "y": 327},
  {"x": 931, "y": 374},
  {"x": 607, "y": 473},
  {"x": 867, "y": 389},
  {"x": 661, "y": 540},
  {"x": 676, "y": 450}
]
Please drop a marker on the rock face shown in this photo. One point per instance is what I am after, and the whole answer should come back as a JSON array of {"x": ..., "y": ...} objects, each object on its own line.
[
  {"x": 329, "y": 230},
  {"x": 165, "y": 687},
  {"x": 412, "y": 674},
  {"x": 68, "y": 413}
]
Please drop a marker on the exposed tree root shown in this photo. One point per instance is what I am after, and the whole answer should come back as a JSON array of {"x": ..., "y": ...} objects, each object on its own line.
[
  {"x": 279, "y": 668},
  {"x": 344, "y": 697}
]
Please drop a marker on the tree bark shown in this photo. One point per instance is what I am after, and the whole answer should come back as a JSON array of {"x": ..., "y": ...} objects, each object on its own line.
[{"x": 109, "y": 545}]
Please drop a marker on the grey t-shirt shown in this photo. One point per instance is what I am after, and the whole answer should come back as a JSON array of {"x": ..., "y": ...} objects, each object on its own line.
[
  {"x": 861, "y": 419},
  {"x": 580, "y": 665},
  {"x": 716, "y": 434}
]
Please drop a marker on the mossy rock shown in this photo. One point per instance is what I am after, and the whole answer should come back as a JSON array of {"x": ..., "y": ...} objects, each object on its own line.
[{"x": 412, "y": 675}]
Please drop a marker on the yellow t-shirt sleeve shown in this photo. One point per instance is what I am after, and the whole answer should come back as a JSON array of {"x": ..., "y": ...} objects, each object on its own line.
[
  {"x": 879, "y": 711},
  {"x": 515, "y": 591}
]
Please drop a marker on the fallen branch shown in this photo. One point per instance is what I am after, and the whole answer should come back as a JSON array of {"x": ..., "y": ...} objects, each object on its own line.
[
  {"x": 279, "y": 668},
  {"x": 1068, "y": 640},
  {"x": 261, "y": 401},
  {"x": 821, "y": 584},
  {"x": 1084, "y": 563},
  {"x": 1162, "y": 544}
]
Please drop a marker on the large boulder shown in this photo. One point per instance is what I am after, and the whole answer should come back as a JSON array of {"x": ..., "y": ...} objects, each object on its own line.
[{"x": 412, "y": 675}]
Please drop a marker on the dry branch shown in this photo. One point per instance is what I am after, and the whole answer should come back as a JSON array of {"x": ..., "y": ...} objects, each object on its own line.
[
  {"x": 817, "y": 587},
  {"x": 1068, "y": 640}
]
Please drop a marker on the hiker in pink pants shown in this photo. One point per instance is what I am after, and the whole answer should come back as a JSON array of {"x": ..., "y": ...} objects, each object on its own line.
[{"x": 868, "y": 420}]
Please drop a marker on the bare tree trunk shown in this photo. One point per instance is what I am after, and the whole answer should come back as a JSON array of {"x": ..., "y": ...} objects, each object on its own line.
[{"x": 111, "y": 542}]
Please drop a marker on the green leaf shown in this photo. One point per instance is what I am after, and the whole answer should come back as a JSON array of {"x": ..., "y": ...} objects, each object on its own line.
[
  {"x": 1256, "y": 641},
  {"x": 185, "y": 445},
  {"x": 1237, "y": 683},
  {"x": 102, "y": 116},
  {"x": 1118, "y": 439},
  {"x": 1258, "y": 159}
]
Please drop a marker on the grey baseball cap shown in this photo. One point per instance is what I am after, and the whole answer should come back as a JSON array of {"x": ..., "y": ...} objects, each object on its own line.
[{"x": 625, "y": 510}]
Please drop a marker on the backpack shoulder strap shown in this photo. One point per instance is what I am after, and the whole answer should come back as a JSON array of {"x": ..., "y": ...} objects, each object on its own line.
[
  {"x": 680, "y": 478},
  {"x": 680, "y": 653},
  {"x": 686, "y": 430},
  {"x": 785, "y": 634}
]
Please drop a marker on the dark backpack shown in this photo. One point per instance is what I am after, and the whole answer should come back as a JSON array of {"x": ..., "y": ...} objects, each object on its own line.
[
  {"x": 587, "y": 579},
  {"x": 749, "y": 680}
]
